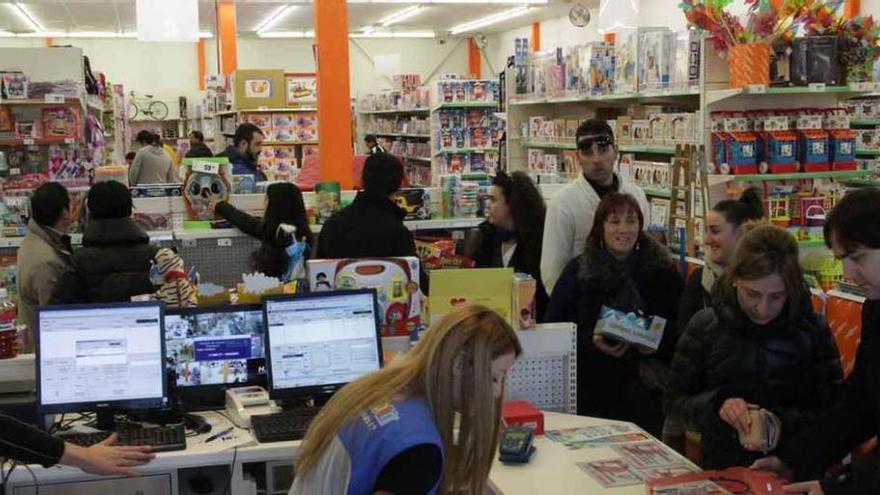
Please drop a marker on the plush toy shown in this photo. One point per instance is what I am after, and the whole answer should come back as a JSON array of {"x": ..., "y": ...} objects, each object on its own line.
[{"x": 176, "y": 289}]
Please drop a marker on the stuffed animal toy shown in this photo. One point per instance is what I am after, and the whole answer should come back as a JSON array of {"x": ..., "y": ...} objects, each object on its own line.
[{"x": 176, "y": 289}]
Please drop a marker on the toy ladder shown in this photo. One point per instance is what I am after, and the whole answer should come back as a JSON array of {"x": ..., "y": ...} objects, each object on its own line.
[{"x": 689, "y": 183}]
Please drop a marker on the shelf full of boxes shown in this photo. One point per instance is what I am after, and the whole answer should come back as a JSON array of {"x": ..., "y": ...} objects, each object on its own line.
[
  {"x": 646, "y": 85},
  {"x": 400, "y": 120},
  {"x": 285, "y": 108}
]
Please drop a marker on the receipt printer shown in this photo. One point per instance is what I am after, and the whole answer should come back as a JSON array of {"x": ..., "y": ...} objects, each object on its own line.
[{"x": 244, "y": 402}]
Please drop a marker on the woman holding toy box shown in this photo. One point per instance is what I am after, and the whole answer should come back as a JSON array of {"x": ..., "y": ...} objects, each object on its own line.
[
  {"x": 758, "y": 366},
  {"x": 624, "y": 270}
]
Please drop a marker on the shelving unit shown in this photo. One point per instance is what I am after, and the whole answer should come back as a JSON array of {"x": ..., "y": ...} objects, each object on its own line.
[
  {"x": 417, "y": 167},
  {"x": 863, "y": 152},
  {"x": 841, "y": 175}
]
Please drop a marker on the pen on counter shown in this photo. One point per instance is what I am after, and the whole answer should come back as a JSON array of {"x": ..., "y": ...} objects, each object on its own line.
[{"x": 218, "y": 435}]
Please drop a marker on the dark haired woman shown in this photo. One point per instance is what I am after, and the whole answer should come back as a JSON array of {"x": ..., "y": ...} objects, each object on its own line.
[
  {"x": 513, "y": 231},
  {"x": 757, "y": 347},
  {"x": 283, "y": 230},
  {"x": 723, "y": 229},
  {"x": 625, "y": 270}
]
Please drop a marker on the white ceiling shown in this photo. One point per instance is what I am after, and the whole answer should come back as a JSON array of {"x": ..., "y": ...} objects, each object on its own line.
[{"x": 119, "y": 15}]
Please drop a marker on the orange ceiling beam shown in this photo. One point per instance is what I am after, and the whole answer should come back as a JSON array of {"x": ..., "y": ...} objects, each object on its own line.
[
  {"x": 852, "y": 8},
  {"x": 334, "y": 92},
  {"x": 200, "y": 57},
  {"x": 475, "y": 61},
  {"x": 227, "y": 37},
  {"x": 536, "y": 37}
]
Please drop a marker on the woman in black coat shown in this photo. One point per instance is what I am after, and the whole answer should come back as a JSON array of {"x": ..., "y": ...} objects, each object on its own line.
[
  {"x": 513, "y": 231},
  {"x": 623, "y": 269},
  {"x": 759, "y": 346},
  {"x": 285, "y": 208}
]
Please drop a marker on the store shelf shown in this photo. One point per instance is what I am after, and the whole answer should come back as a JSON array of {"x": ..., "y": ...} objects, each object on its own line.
[
  {"x": 657, "y": 193},
  {"x": 549, "y": 145},
  {"x": 23, "y": 142},
  {"x": 670, "y": 93},
  {"x": 716, "y": 96},
  {"x": 39, "y": 102},
  {"x": 10, "y": 242},
  {"x": 286, "y": 143},
  {"x": 797, "y": 176},
  {"x": 864, "y": 122},
  {"x": 445, "y": 223},
  {"x": 397, "y": 111},
  {"x": 467, "y": 104},
  {"x": 266, "y": 110},
  {"x": 864, "y": 182},
  {"x": 401, "y": 135},
  {"x": 658, "y": 150},
  {"x": 416, "y": 158},
  {"x": 868, "y": 152},
  {"x": 465, "y": 150}
]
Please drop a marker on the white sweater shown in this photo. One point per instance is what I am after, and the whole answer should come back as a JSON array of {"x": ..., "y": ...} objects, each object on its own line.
[{"x": 569, "y": 221}]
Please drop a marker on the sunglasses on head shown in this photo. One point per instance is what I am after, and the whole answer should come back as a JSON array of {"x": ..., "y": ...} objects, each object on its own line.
[{"x": 585, "y": 144}]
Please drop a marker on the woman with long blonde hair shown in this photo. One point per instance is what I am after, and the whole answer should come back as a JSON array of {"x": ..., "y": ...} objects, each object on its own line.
[{"x": 392, "y": 430}]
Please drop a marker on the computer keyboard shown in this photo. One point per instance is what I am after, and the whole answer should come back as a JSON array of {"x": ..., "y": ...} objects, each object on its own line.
[
  {"x": 159, "y": 438},
  {"x": 284, "y": 426}
]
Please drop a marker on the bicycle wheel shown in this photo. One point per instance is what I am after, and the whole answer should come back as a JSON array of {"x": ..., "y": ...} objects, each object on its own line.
[
  {"x": 158, "y": 109},
  {"x": 133, "y": 110}
]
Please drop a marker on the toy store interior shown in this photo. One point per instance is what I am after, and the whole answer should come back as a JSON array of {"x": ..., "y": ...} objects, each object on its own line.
[{"x": 557, "y": 246}]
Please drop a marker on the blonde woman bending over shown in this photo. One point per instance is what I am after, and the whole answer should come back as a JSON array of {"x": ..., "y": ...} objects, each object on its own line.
[{"x": 391, "y": 432}]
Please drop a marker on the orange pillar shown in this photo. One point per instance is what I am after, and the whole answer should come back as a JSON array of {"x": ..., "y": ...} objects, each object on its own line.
[
  {"x": 852, "y": 8},
  {"x": 536, "y": 37},
  {"x": 334, "y": 92},
  {"x": 610, "y": 37},
  {"x": 226, "y": 37},
  {"x": 49, "y": 42},
  {"x": 474, "y": 60},
  {"x": 200, "y": 57}
]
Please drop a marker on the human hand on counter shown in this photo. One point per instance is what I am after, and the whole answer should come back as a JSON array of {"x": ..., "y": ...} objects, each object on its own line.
[
  {"x": 105, "y": 458},
  {"x": 607, "y": 347},
  {"x": 735, "y": 412}
]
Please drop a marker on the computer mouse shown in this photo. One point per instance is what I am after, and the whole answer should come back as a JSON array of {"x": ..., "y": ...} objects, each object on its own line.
[{"x": 196, "y": 423}]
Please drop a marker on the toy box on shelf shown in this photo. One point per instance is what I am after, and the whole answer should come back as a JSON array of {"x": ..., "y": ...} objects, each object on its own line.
[{"x": 396, "y": 281}]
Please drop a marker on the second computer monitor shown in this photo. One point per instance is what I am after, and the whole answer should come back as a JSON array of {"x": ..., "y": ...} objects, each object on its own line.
[
  {"x": 213, "y": 348},
  {"x": 318, "y": 342}
]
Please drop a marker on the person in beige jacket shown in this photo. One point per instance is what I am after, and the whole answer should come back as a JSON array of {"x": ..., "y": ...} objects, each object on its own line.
[{"x": 44, "y": 255}]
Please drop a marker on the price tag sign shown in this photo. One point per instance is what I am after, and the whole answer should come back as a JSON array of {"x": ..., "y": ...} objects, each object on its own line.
[
  {"x": 69, "y": 141},
  {"x": 263, "y": 108},
  {"x": 14, "y": 171},
  {"x": 206, "y": 167},
  {"x": 817, "y": 87},
  {"x": 28, "y": 141},
  {"x": 54, "y": 98},
  {"x": 757, "y": 89}
]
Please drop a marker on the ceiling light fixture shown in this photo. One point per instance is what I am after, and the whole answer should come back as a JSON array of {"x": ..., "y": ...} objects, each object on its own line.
[
  {"x": 401, "y": 15},
  {"x": 25, "y": 16},
  {"x": 396, "y": 34},
  {"x": 488, "y": 20},
  {"x": 287, "y": 34},
  {"x": 274, "y": 18}
]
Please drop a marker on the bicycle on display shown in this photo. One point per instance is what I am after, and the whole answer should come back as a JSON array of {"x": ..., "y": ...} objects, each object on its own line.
[{"x": 146, "y": 107}]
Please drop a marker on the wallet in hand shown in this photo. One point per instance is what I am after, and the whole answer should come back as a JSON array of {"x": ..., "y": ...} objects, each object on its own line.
[{"x": 765, "y": 431}]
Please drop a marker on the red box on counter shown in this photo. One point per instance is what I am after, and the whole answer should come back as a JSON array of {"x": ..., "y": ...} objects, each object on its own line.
[{"x": 523, "y": 413}]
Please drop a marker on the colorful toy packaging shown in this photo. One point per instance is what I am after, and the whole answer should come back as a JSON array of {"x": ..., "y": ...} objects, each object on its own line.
[{"x": 396, "y": 281}]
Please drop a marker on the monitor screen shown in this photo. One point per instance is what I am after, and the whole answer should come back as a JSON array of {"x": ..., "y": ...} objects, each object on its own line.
[
  {"x": 216, "y": 346},
  {"x": 319, "y": 342},
  {"x": 94, "y": 357}
]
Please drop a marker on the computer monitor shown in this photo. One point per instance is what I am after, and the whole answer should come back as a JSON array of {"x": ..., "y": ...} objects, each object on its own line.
[
  {"x": 318, "y": 342},
  {"x": 211, "y": 349},
  {"x": 100, "y": 357}
]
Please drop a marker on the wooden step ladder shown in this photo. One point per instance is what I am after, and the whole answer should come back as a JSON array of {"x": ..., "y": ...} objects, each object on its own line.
[{"x": 690, "y": 186}]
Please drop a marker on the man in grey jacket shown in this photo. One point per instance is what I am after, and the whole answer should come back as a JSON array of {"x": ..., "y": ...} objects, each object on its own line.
[
  {"x": 44, "y": 255},
  {"x": 151, "y": 164}
]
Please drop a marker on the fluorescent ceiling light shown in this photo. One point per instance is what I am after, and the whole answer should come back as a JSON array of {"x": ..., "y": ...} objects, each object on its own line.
[
  {"x": 274, "y": 18},
  {"x": 287, "y": 34},
  {"x": 396, "y": 34},
  {"x": 42, "y": 34},
  {"x": 496, "y": 2},
  {"x": 7, "y": 34},
  {"x": 488, "y": 20},
  {"x": 25, "y": 16},
  {"x": 401, "y": 15},
  {"x": 81, "y": 34}
]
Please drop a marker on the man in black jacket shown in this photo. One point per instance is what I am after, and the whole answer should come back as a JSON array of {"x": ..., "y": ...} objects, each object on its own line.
[
  {"x": 197, "y": 146},
  {"x": 852, "y": 231},
  {"x": 372, "y": 225},
  {"x": 114, "y": 263}
]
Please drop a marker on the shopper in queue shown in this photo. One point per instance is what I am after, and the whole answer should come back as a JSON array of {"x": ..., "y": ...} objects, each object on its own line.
[
  {"x": 44, "y": 255},
  {"x": 197, "y": 146},
  {"x": 114, "y": 262},
  {"x": 758, "y": 349},
  {"x": 372, "y": 144},
  {"x": 457, "y": 370},
  {"x": 24, "y": 443},
  {"x": 513, "y": 231},
  {"x": 151, "y": 164},
  {"x": 283, "y": 231},
  {"x": 623, "y": 269},
  {"x": 852, "y": 231},
  {"x": 245, "y": 150},
  {"x": 372, "y": 225},
  {"x": 570, "y": 215}
]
